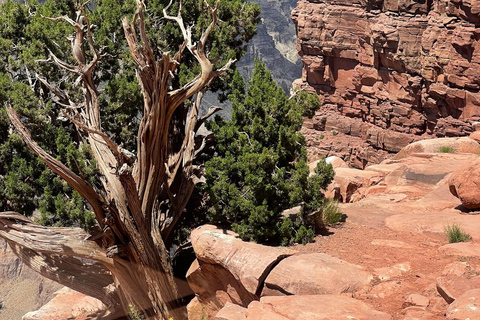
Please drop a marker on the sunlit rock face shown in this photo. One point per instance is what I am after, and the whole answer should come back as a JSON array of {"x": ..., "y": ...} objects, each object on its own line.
[{"x": 390, "y": 72}]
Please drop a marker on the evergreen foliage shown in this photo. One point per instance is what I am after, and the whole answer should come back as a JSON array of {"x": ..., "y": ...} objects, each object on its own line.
[
  {"x": 260, "y": 168},
  {"x": 26, "y": 37}
]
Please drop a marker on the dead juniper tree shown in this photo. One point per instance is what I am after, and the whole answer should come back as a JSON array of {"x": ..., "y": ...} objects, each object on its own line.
[{"x": 142, "y": 196}]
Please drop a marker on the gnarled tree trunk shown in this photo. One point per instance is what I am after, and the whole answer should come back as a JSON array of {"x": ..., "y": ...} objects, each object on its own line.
[{"x": 142, "y": 197}]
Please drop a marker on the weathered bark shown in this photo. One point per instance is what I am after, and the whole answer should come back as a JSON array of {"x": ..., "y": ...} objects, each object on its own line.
[{"x": 142, "y": 197}]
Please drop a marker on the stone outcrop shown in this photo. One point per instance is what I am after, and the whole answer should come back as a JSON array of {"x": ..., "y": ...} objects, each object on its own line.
[
  {"x": 318, "y": 307},
  {"x": 464, "y": 184},
  {"x": 389, "y": 72},
  {"x": 467, "y": 306},
  {"x": 418, "y": 167},
  {"x": 68, "y": 304},
  {"x": 313, "y": 274},
  {"x": 233, "y": 279}
]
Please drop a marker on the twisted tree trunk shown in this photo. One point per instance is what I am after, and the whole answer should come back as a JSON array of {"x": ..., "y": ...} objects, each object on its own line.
[{"x": 125, "y": 264}]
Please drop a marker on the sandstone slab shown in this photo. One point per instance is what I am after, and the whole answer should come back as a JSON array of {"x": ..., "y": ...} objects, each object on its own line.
[
  {"x": 67, "y": 304},
  {"x": 458, "y": 145},
  {"x": 464, "y": 184},
  {"x": 214, "y": 287},
  {"x": 312, "y": 274},
  {"x": 418, "y": 300},
  {"x": 467, "y": 249},
  {"x": 388, "y": 273},
  {"x": 466, "y": 306},
  {"x": 248, "y": 262},
  {"x": 451, "y": 287},
  {"x": 312, "y": 307},
  {"x": 231, "y": 312}
]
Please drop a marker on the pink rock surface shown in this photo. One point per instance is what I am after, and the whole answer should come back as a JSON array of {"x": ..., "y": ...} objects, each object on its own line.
[
  {"x": 466, "y": 306},
  {"x": 464, "y": 184},
  {"x": 214, "y": 287},
  {"x": 248, "y": 262},
  {"x": 316, "y": 273},
  {"x": 467, "y": 249},
  {"x": 231, "y": 312},
  {"x": 312, "y": 307},
  {"x": 67, "y": 304}
]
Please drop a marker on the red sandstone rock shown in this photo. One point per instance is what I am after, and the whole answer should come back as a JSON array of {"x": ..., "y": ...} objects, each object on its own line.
[
  {"x": 418, "y": 300},
  {"x": 248, "y": 262},
  {"x": 475, "y": 136},
  {"x": 466, "y": 306},
  {"x": 464, "y": 184},
  {"x": 388, "y": 273},
  {"x": 231, "y": 312},
  {"x": 393, "y": 71},
  {"x": 317, "y": 307},
  {"x": 316, "y": 273},
  {"x": 451, "y": 287},
  {"x": 67, "y": 304},
  {"x": 349, "y": 181},
  {"x": 466, "y": 249},
  {"x": 459, "y": 145},
  {"x": 214, "y": 287},
  {"x": 415, "y": 313}
]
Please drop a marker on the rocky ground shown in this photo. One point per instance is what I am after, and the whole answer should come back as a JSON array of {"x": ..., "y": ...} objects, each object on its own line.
[{"x": 390, "y": 259}]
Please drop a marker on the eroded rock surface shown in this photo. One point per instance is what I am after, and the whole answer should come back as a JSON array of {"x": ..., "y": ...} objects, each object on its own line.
[
  {"x": 68, "y": 304},
  {"x": 388, "y": 72},
  {"x": 316, "y": 273}
]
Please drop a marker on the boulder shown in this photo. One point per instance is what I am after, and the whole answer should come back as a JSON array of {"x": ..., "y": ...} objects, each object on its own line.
[
  {"x": 467, "y": 249},
  {"x": 459, "y": 145},
  {"x": 464, "y": 184},
  {"x": 248, "y": 262},
  {"x": 313, "y": 274},
  {"x": 68, "y": 304},
  {"x": 451, "y": 287},
  {"x": 312, "y": 307},
  {"x": 336, "y": 162},
  {"x": 214, "y": 287},
  {"x": 466, "y": 306},
  {"x": 475, "y": 136},
  {"x": 350, "y": 182}
]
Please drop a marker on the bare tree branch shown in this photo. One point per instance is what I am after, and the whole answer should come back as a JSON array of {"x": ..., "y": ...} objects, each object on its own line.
[
  {"x": 50, "y": 240},
  {"x": 83, "y": 187}
]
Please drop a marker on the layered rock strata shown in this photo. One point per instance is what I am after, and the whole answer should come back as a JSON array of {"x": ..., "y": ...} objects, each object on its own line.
[{"x": 389, "y": 72}]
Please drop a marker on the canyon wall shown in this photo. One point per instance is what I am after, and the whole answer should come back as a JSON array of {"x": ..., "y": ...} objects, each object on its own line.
[{"x": 389, "y": 72}]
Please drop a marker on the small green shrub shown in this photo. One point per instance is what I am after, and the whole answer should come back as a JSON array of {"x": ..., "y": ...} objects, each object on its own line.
[
  {"x": 331, "y": 212},
  {"x": 446, "y": 149},
  {"x": 322, "y": 136},
  {"x": 456, "y": 234},
  {"x": 328, "y": 214}
]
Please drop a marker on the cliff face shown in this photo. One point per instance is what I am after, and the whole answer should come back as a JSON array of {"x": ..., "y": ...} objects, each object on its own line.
[
  {"x": 389, "y": 72},
  {"x": 274, "y": 43}
]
